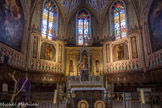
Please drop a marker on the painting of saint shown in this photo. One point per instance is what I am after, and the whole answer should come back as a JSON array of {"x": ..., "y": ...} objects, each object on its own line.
[
  {"x": 155, "y": 25},
  {"x": 48, "y": 52},
  {"x": 11, "y": 23}
]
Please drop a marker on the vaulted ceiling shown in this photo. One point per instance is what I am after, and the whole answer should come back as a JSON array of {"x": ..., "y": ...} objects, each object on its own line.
[
  {"x": 98, "y": 8},
  {"x": 70, "y": 5}
]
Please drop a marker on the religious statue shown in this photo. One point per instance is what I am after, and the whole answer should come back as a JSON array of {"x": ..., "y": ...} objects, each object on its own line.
[
  {"x": 120, "y": 52},
  {"x": 84, "y": 64},
  {"x": 84, "y": 67},
  {"x": 97, "y": 65}
]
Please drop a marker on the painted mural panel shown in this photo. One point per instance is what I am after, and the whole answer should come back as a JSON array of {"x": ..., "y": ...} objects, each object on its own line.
[
  {"x": 155, "y": 25},
  {"x": 11, "y": 23},
  {"x": 48, "y": 52}
]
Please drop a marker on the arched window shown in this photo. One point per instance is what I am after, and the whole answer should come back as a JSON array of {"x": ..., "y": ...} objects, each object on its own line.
[
  {"x": 118, "y": 14},
  {"x": 83, "y": 27},
  {"x": 49, "y": 20}
]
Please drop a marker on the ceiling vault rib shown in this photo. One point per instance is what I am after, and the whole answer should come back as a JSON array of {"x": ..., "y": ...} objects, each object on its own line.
[
  {"x": 32, "y": 11},
  {"x": 69, "y": 5}
]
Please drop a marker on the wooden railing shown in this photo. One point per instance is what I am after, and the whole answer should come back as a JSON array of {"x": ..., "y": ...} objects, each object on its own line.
[
  {"x": 123, "y": 66},
  {"x": 78, "y": 78},
  {"x": 45, "y": 66},
  {"x": 155, "y": 59},
  {"x": 15, "y": 58}
]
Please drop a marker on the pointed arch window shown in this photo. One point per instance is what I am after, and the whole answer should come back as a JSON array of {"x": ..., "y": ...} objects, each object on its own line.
[
  {"x": 83, "y": 27},
  {"x": 49, "y": 20},
  {"x": 119, "y": 19}
]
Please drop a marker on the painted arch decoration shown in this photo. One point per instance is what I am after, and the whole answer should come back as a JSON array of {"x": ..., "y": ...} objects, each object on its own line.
[{"x": 49, "y": 20}]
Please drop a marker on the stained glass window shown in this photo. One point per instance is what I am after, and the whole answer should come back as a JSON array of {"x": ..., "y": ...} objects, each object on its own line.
[
  {"x": 49, "y": 20},
  {"x": 119, "y": 19},
  {"x": 83, "y": 30}
]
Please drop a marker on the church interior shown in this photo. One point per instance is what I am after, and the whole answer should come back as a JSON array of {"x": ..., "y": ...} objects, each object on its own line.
[{"x": 81, "y": 53}]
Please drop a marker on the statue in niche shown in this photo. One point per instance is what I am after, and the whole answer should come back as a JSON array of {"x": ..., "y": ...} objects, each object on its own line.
[
  {"x": 120, "y": 52},
  {"x": 134, "y": 48},
  {"x": 97, "y": 65},
  {"x": 84, "y": 64},
  {"x": 71, "y": 69},
  {"x": 84, "y": 67}
]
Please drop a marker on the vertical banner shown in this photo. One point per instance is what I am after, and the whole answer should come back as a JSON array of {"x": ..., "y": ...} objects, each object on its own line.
[{"x": 26, "y": 87}]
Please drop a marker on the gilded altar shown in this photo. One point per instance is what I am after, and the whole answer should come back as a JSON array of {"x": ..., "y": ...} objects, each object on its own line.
[{"x": 74, "y": 64}]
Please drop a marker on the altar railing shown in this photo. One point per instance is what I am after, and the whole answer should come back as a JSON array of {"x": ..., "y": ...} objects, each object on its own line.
[
  {"x": 123, "y": 66},
  {"x": 95, "y": 81},
  {"x": 14, "y": 58},
  {"x": 45, "y": 66},
  {"x": 155, "y": 59},
  {"x": 78, "y": 78}
]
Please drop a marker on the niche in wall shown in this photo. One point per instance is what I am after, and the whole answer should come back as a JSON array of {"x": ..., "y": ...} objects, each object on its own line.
[
  {"x": 120, "y": 52},
  {"x": 48, "y": 52},
  {"x": 134, "y": 47},
  {"x": 35, "y": 47}
]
